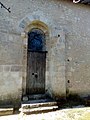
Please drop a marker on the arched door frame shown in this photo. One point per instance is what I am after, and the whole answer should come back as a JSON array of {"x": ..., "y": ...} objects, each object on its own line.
[{"x": 37, "y": 25}]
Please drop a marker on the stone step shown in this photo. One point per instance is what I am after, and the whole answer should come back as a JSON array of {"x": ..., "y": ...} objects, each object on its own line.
[
  {"x": 37, "y": 96},
  {"x": 38, "y": 103},
  {"x": 39, "y": 110},
  {"x": 34, "y": 97},
  {"x": 6, "y": 111}
]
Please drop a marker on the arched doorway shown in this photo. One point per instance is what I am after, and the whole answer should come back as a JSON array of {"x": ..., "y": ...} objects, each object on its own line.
[{"x": 36, "y": 62}]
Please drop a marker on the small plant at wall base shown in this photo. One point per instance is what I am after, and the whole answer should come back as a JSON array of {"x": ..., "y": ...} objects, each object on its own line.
[{"x": 3, "y": 6}]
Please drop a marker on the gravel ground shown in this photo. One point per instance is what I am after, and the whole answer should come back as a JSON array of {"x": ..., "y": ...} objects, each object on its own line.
[{"x": 64, "y": 114}]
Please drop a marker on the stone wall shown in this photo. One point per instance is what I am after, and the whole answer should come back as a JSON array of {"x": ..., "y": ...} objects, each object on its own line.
[
  {"x": 68, "y": 58},
  {"x": 10, "y": 68}
]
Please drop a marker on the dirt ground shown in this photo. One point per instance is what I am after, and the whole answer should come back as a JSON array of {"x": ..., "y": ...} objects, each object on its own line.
[{"x": 63, "y": 114}]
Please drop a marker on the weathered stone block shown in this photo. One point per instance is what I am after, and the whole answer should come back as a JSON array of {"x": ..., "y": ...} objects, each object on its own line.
[
  {"x": 1, "y": 68},
  {"x": 6, "y": 111},
  {"x": 16, "y": 68},
  {"x": 7, "y": 68}
]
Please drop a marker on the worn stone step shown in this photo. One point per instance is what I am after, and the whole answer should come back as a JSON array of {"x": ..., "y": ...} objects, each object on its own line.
[
  {"x": 36, "y": 105},
  {"x": 6, "y": 111},
  {"x": 34, "y": 97},
  {"x": 38, "y": 101},
  {"x": 37, "y": 97},
  {"x": 39, "y": 110}
]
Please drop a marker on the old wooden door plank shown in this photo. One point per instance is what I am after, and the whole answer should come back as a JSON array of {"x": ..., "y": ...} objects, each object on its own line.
[{"x": 36, "y": 72}]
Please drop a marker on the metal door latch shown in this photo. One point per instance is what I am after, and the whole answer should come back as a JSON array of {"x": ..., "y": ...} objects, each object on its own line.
[{"x": 35, "y": 74}]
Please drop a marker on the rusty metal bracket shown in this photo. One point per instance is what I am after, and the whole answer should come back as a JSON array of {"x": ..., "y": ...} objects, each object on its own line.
[{"x": 3, "y": 6}]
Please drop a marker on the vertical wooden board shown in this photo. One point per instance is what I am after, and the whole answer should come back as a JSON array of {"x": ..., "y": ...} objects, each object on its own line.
[
  {"x": 40, "y": 68},
  {"x": 30, "y": 70}
]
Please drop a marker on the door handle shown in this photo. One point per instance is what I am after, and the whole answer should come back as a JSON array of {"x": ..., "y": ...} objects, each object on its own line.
[{"x": 36, "y": 75}]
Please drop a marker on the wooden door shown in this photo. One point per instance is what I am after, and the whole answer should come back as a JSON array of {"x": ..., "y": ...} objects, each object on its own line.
[{"x": 36, "y": 63}]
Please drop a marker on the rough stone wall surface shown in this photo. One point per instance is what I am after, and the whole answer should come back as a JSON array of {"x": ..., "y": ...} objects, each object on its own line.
[{"x": 68, "y": 64}]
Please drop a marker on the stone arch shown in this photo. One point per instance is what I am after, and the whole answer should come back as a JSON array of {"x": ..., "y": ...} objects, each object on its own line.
[
  {"x": 36, "y": 24},
  {"x": 37, "y": 16}
]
